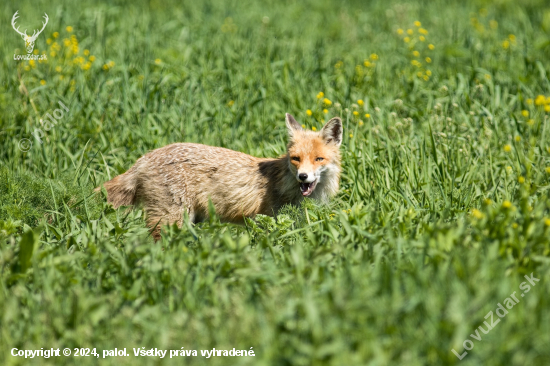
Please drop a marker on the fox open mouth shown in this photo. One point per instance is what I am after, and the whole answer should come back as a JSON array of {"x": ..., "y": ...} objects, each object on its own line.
[{"x": 307, "y": 188}]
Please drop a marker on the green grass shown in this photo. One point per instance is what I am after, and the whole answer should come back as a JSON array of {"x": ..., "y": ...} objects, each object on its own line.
[{"x": 443, "y": 209}]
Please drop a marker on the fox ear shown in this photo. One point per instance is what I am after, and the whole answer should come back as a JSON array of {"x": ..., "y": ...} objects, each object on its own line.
[
  {"x": 332, "y": 131},
  {"x": 292, "y": 125}
]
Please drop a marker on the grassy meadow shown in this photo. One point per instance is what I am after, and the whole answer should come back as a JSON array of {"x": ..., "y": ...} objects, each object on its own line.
[{"x": 443, "y": 209}]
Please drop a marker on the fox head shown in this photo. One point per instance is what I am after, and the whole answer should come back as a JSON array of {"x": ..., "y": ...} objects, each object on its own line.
[{"x": 314, "y": 157}]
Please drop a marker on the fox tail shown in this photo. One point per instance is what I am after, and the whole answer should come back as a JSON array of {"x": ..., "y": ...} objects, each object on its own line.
[{"x": 121, "y": 190}]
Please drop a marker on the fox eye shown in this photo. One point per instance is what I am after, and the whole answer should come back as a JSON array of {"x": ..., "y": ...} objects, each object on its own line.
[
  {"x": 296, "y": 158},
  {"x": 319, "y": 159}
]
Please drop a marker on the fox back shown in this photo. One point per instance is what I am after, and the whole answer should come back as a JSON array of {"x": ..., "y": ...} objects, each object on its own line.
[{"x": 185, "y": 177}]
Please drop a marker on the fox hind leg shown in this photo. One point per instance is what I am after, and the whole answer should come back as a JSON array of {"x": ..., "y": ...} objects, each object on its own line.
[{"x": 156, "y": 221}]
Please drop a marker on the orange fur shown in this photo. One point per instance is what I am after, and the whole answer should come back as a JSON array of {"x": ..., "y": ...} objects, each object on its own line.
[{"x": 185, "y": 177}]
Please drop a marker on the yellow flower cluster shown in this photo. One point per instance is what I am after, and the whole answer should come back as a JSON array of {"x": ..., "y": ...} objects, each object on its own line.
[
  {"x": 540, "y": 101},
  {"x": 64, "y": 55},
  {"x": 510, "y": 41},
  {"x": 324, "y": 104},
  {"x": 108, "y": 65},
  {"x": 414, "y": 39},
  {"x": 370, "y": 61}
]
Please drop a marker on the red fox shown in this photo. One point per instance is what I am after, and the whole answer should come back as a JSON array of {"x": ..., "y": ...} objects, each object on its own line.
[{"x": 185, "y": 177}]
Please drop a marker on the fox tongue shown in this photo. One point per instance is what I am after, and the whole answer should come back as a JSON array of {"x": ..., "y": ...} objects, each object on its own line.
[{"x": 305, "y": 188}]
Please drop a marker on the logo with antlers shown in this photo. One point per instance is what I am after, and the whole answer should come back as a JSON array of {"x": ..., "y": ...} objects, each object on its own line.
[{"x": 29, "y": 40}]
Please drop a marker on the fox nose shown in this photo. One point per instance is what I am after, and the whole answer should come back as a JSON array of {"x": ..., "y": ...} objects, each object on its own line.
[{"x": 302, "y": 176}]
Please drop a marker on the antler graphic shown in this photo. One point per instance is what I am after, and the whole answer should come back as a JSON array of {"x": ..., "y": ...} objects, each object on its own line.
[
  {"x": 29, "y": 40},
  {"x": 35, "y": 35},
  {"x": 13, "y": 25}
]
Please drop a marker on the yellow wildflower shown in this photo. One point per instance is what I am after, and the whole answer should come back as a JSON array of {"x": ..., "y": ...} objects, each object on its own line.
[
  {"x": 351, "y": 135},
  {"x": 158, "y": 61},
  {"x": 540, "y": 100},
  {"x": 360, "y": 123},
  {"x": 428, "y": 72},
  {"x": 320, "y": 95},
  {"x": 58, "y": 69},
  {"x": 521, "y": 179},
  {"x": 505, "y": 44},
  {"x": 416, "y": 53},
  {"x": 507, "y": 148},
  {"x": 529, "y": 101},
  {"x": 309, "y": 112},
  {"x": 406, "y": 39},
  {"x": 417, "y": 23},
  {"x": 55, "y": 34},
  {"x": 69, "y": 29},
  {"x": 86, "y": 52},
  {"x": 517, "y": 138},
  {"x": 325, "y": 111},
  {"x": 547, "y": 221},
  {"x": 422, "y": 38},
  {"x": 507, "y": 204},
  {"x": 374, "y": 56},
  {"x": 477, "y": 214},
  {"x": 230, "y": 103},
  {"x": 111, "y": 64},
  {"x": 525, "y": 113},
  {"x": 428, "y": 60},
  {"x": 547, "y": 108},
  {"x": 42, "y": 82},
  {"x": 367, "y": 115},
  {"x": 400, "y": 31},
  {"x": 422, "y": 31},
  {"x": 355, "y": 113},
  {"x": 360, "y": 102},
  {"x": 410, "y": 31},
  {"x": 92, "y": 58},
  {"x": 327, "y": 101},
  {"x": 431, "y": 46},
  {"x": 314, "y": 128},
  {"x": 547, "y": 169}
]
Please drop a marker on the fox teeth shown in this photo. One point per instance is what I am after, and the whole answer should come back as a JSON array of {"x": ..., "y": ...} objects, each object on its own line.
[{"x": 307, "y": 188}]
